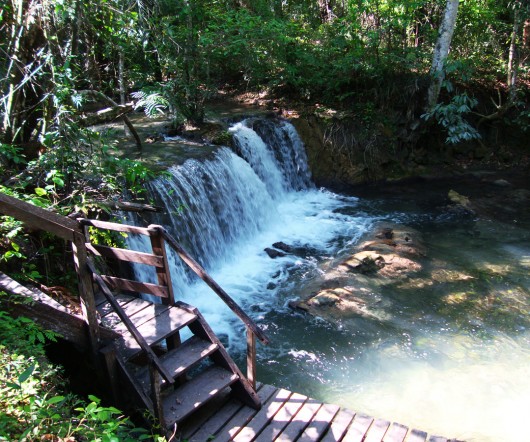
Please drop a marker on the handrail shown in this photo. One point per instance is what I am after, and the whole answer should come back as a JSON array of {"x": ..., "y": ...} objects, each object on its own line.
[
  {"x": 38, "y": 218},
  {"x": 128, "y": 323},
  {"x": 201, "y": 272}
]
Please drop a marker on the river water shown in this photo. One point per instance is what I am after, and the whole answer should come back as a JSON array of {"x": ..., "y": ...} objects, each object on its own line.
[{"x": 446, "y": 350}]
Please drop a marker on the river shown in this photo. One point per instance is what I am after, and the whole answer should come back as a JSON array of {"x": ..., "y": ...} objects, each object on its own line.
[{"x": 445, "y": 350}]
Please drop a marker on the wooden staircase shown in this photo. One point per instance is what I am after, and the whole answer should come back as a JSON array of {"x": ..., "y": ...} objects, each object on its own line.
[{"x": 170, "y": 376}]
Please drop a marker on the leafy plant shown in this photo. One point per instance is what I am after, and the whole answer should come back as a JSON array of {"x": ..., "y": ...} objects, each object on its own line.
[{"x": 451, "y": 117}]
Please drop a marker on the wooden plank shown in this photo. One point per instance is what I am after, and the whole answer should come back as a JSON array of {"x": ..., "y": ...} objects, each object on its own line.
[
  {"x": 358, "y": 428},
  {"x": 239, "y": 428},
  {"x": 126, "y": 255},
  {"x": 37, "y": 217},
  {"x": 138, "y": 310},
  {"x": 282, "y": 418},
  {"x": 181, "y": 359},
  {"x": 207, "y": 430},
  {"x": 114, "y": 226},
  {"x": 251, "y": 357},
  {"x": 377, "y": 430},
  {"x": 320, "y": 423},
  {"x": 302, "y": 419},
  {"x": 50, "y": 314},
  {"x": 396, "y": 433},
  {"x": 162, "y": 273},
  {"x": 134, "y": 333},
  {"x": 156, "y": 329},
  {"x": 417, "y": 436},
  {"x": 135, "y": 286},
  {"x": 182, "y": 401},
  {"x": 104, "y": 308},
  {"x": 338, "y": 426}
]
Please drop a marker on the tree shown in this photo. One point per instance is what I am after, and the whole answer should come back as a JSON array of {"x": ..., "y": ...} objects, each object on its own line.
[{"x": 441, "y": 51}]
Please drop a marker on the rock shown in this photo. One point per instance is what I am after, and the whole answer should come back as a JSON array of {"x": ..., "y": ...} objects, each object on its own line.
[
  {"x": 273, "y": 253},
  {"x": 282, "y": 246},
  {"x": 365, "y": 262},
  {"x": 502, "y": 183},
  {"x": 458, "y": 199}
]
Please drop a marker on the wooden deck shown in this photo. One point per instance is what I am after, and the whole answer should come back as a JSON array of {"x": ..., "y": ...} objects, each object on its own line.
[{"x": 287, "y": 416}]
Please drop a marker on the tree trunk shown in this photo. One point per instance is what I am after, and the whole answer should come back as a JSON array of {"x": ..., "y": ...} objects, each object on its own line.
[
  {"x": 441, "y": 51},
  {"x": 513, "y": 59}
]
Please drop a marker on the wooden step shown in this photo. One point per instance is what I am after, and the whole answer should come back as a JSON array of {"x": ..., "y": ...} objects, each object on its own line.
[
  {"x": 179, "y": 360},
  {"x": 155, "y": 330},
  {"x": 181, "y": 402}
]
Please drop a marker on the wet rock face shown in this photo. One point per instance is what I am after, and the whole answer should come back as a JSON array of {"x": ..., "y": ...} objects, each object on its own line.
[{"x": 390, "y": 252}]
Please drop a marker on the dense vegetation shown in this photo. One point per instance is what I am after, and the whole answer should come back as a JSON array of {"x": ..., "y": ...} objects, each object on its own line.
[{"x": 61, "y": 60}]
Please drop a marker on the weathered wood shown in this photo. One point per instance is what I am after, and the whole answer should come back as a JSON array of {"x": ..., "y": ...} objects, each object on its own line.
[
  {"x": 417, "y": 436},
  {"x": 135, "y": 286},
  {"x": 155, "y": 330},
  {"x": 320, "y": 423},
  {"x": 358, "y": 428},
  {"x": 242, "y": 389},
  {"x": 130, "y": 207},
  {"x": 126, "y": 255},
  {"x": 156, "y": 398},
  {"x": 185, "y": 357},
  {"x": 225, "y": 428},
  {"x": 50, "y": 315},
  {"x": 377, "y": 430},
  {"x": 300, "y": 421},
  {"x": 104, "y": 115},
  {"x": 86, "y": 289},
  {"x": 251, "y": 357},
  {"x": 338, "y": 426},
  {"x": 111, "y": 364},
  {"x": 114, "y": 226},
  {"x": 130, "y": 326},
  {"x": 37, "y": 217},
  {"x": 282, "y": 418},
  {"x": 162, "y": 273},
  {"x": 263, "y": 417},
  {"x": 196, "y": 392},
  {"x": 104, "y": 308},
  {"x": 396, "y": 433},
  {"x": 199, "y": 270}
]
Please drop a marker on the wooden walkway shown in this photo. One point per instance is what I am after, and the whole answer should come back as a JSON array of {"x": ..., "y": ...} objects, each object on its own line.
[{"x": 286, "y": 416}]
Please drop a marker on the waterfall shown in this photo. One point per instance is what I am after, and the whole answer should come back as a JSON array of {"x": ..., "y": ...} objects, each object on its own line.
[{"x": 226, "y": 209}]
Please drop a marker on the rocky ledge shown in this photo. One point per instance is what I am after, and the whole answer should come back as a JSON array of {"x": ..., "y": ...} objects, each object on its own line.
[{"x": 388, "y": 253}]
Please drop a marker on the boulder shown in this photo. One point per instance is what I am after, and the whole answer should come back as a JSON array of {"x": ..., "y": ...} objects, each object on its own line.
[{"x": 273, "y": 253}]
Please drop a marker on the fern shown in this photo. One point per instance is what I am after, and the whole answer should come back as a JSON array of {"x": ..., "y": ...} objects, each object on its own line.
[{"x": 153, "y": 103}]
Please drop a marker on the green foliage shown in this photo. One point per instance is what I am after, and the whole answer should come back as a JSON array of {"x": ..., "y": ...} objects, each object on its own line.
[
  {"x": 451, "y": 117},
  {"x": 33, "y": 406}
]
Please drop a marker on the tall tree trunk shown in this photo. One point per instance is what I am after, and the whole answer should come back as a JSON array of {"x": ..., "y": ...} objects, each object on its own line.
[
  {"x": 441, "y": 51},
  {"x": 513, "y": 59}
]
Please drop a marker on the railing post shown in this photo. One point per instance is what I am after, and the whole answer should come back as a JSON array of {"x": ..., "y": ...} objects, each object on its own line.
[
  {"x": 251, "y": 357},
  {"x": 162, "y": 274},
  {"x": 158, "y": 410},
  {"x": 86, "y": 289}
]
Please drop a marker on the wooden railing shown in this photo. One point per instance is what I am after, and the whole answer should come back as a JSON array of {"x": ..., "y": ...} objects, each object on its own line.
[
  {"x": 158, "y": 259},
  {"x": 253, "y": 331},
  {"x": 74, "y": 232},
  {"x": 67, "y": 229}
]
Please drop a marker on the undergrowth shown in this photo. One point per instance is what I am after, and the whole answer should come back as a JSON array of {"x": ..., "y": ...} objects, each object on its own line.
[{"x": 33, "y": 402}]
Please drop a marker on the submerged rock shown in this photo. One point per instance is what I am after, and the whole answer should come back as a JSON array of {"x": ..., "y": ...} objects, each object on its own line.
[{"x": 273, "y": 253}]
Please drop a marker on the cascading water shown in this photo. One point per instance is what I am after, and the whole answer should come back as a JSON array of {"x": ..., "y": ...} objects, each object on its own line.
[
  {"x": 227, "y": 209},
  {"x": 447, "y": 371}
]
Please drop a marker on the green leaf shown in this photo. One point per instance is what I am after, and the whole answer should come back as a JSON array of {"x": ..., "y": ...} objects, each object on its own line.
[
  {"x": 55, "y": 400},
  {"x": 40, "y": 191},
  {"x": 26, "y": 373}
]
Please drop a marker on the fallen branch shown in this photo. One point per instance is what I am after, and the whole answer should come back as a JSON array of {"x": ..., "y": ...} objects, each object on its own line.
[
  {"x": 131, "y": 207},
  {"x": 124, "y": 117}
]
